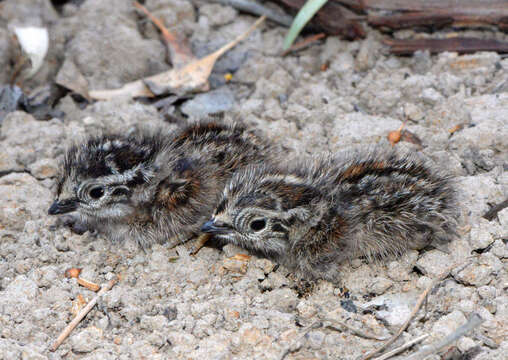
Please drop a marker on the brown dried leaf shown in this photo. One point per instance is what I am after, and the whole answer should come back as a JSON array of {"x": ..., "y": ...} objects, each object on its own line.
[
  {"x": 178, "y": 48},
  {"x": 190, "y": 78}
]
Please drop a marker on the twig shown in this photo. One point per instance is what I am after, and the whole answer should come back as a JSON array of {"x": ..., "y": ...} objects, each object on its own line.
[
  {"x": 417, "y": 307},
  {"x": 352, "y": 329},
  {"x": 304, "y": 43},
  {"x": 233, "y": 43},
  {"x": 474, "y": 321},
  {"x": 253, "y": 7},
  {"x": 304, "y": 332},
  {"x": 88, "y": 284},
  {"x": 407, "y": 345},
  {"x": 63, "y": 335},
  {"x": 492, "y": 213}
]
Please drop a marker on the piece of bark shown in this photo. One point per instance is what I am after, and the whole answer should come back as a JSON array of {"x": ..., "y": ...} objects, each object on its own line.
[
  {"x": 410, "y": 20},
  {"x": 461, "y": 45},
  {"x": 342, "y": 17},
  {"x": 425, "y": 5},
  {"x": 333, "y": 19}
]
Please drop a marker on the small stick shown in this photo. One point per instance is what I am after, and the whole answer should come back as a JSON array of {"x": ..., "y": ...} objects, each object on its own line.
[
  {"x": 417, "y": 307},
  {"x": 352, "y": 329},
  {"x": 65, "y": 333},
  {"x": 474, "y": 321},
  {"x": 304, "y": 43},
  {"x": 88, "y": 284},
  {"x": 407, "y": 345},
  {"x": 304, "y": 332},
  {"x": 492, "y": 213}
]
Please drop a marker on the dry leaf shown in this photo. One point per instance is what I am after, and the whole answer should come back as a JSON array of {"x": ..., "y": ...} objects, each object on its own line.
[
  {"x": 178, "y": 49},
  {"x": 190, "y": 78}
]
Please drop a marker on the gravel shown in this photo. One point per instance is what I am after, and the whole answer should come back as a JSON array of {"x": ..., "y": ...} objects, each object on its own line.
[{"x": 218, "y": 305}]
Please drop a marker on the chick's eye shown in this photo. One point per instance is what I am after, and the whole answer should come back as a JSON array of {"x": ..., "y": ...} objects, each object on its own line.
[
  {"x": 96, "y": 192},
  {"x": 258, "y": 225}
]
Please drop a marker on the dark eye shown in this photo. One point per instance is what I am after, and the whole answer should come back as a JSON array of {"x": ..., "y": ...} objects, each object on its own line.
[
  {"x": 258, "y": 225},
  {"x": 120, "y": 191},
  {"x": 96, "y": 192}
]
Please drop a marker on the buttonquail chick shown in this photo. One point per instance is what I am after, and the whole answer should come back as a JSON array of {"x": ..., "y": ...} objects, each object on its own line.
[
  {"x": 314, "y": 215},
  {"x": 153, "y": 187}
]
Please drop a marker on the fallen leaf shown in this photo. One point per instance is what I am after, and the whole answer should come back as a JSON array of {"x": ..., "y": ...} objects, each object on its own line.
[
  {"x": 190, "y": 78},
  {"x": 178, "y": 49},
  {"x": 34, "y": 41}
]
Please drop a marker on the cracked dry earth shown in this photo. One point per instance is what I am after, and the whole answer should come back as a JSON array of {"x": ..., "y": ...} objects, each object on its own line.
[{"x": 170, "y": 305}]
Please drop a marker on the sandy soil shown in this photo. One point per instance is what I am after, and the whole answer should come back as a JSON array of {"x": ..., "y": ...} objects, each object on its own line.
[{"x": 169, "y": 305}]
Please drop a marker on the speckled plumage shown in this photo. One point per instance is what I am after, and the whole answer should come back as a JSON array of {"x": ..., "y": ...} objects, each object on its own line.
[
  {"x": 313, "y": 215},
  {"x": 153, "y": 187}
]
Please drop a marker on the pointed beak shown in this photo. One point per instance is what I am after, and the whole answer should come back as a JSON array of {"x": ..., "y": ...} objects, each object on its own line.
[
  {"x": 212, "y": 227},
  {"x": 63, "y": 206}
]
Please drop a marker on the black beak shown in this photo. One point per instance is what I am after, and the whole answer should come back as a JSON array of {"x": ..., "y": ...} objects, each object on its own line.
[
  {"x": 63, "y": 207},
  {"x": 211, "y": 227}
]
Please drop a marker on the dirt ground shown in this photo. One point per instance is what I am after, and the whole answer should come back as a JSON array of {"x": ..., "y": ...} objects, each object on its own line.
[{"x": 170, "y": 305}]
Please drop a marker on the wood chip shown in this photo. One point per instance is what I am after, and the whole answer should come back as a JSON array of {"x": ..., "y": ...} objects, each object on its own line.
[
  {"x": 88, "y": 284},
  {"x": 72, "y": 272}
]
